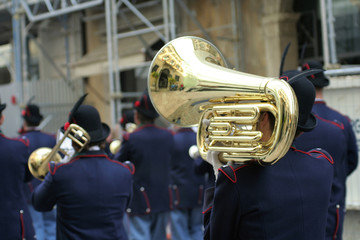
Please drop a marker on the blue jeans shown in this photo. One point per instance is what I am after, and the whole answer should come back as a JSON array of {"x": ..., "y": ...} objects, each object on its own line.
[
  {"x": 187, "y": 224},
  {"x": 44, "y": 223},
  {"x": 148, "y": 227}
]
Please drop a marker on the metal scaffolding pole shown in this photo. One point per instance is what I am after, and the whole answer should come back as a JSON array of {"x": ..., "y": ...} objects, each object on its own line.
[
  {"x": 324, "y": 32},
  {"x": 109, "y": 6},
  {"x": 17, "y": 47}
]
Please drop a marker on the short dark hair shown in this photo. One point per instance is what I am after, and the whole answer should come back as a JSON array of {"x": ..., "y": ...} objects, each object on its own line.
[
  {"x": 144, "y": 119},
  {"x": 32, "y": 124}
]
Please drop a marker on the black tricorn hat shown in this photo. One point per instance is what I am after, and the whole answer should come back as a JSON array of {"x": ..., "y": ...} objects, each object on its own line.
[
  {"x": 127, "y": 117},
  {"x": 145, "y": 107},
  {"x": 318, "y": 79},
  {"x": 305, "y": 94},
  {"x": 32, "y": 114},
  {"x": 88, "y": 118}
]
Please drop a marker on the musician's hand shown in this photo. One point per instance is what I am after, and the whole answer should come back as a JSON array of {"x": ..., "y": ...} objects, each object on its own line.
[{"x": 212, "y": 157}]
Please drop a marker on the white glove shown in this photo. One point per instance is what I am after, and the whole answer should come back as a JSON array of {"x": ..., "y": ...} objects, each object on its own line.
[
  {"x": 212, "y": 157},
  {"x": 194, "y": 152}
]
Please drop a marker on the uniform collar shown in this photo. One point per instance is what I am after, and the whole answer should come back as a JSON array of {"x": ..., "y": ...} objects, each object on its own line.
[
  {"x": 319, "y": 100},
  {"x": 90, "y": 152},
  {"x": 31, "y": 129}
]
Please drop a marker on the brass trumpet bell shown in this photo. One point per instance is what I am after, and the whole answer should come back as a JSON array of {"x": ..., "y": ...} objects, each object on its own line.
[
  {"x": 189, "y": 84},
  {"x": 37, "y": 160},
  {"x": 40, "y": 158},
  {"x": 115, "y": 146}
]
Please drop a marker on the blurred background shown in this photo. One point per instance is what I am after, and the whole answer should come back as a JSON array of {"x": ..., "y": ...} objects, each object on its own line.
[{"x": 53, "y": 51}]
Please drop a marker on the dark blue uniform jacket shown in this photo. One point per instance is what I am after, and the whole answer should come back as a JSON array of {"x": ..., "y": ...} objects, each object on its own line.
[
  {"x": 91, "y": 193},
  {"x": 186, "y": 184},
  {"x": 322, "y": 110},
  {"x": 150, "y": 149},
  {"x": 15, "y": 219},
  {"x": 287, "y": 200},
  {"x": 330, "y": 136}
]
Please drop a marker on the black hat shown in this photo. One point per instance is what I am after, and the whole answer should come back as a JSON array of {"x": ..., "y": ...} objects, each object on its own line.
[
  {"x": 2, "y": 106},
  {"x": 318, "y": 79},
  {"x": 305, "y": 93},
  {"x": 127, "y": 117},
  {"x": 32, "y": 114},
  {"x": 88, "y": 118},
  {"x": 145, "y": 107}
]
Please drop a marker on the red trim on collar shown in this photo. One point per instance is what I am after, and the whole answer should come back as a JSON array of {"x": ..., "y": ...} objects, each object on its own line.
[
  {"x": 23, "y": 140},
  {"x": 57, "y": 166},
  {"x": 320, "y": 102}
]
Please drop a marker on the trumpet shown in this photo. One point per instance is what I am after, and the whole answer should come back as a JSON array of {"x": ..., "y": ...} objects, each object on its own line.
[
  {"x": 229, "y": 101},
  {"x": 39, "y": 159}
]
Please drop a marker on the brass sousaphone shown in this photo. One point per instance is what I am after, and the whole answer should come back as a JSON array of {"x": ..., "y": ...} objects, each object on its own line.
[{"x": 189, "y": 84}]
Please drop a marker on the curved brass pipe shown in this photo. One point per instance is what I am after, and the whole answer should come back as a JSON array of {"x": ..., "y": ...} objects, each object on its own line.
[
  {"x": 40, "y": 158},
  {"x": 189, "y": 81}
]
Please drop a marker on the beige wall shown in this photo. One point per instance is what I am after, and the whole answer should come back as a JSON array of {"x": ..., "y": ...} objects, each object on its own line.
[{"x": 266, "y": 28}]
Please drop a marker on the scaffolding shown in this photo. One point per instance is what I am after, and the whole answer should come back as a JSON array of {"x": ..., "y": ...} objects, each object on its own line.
[{"x": 25, "y": 13}]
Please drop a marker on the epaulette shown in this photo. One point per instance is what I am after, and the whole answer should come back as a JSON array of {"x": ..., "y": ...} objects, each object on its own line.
[
  {"x": 130, "y": 166},
  {"x": 25, "y": 141},
  {"x": 127, "y": 164},
  {"x": 229, "y": 171},
  {"x": 321, "y": 153}
]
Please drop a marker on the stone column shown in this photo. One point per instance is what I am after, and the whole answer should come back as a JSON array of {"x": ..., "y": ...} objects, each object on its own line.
[{"x": 279, "y": 30}]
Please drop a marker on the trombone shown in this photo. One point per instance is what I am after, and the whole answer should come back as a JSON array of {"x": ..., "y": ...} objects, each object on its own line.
[{"x": 40, "y": 158}]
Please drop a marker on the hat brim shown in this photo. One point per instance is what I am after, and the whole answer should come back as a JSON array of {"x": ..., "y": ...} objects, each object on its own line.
[
  {"x": 310, "y": 124},
  {"x": 100, "y": 134},
  {"x": 320, "y": 82}
]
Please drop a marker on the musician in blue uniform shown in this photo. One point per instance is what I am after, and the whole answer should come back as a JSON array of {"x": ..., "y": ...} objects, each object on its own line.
[
  {"x": 329, "y": 136},
  {"x": 15, "y": 219},
  {"x": 91, "y": 191},
  {"x": 44, "y": 222},
  {"x": 150, "y": 149},
  {"x": 350, "y": 161},
  {"x": 188, "y": 187},
  {"x": 127, "y": 122},
  {"x": 286, "y": 200}
]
